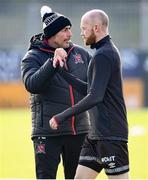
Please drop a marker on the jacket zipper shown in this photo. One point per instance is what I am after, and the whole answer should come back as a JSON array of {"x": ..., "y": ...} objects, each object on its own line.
[
  {"x": 70, "y": 90},
  {"x": 72, "y": 98}
]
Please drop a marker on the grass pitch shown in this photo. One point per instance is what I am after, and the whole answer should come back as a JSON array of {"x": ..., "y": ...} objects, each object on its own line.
[{"x": 16, "y": 150}]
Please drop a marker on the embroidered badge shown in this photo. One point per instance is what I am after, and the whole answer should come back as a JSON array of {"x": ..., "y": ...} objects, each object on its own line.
[
  {"x": 78, "y": 58},
  {"x": 40, "y": 149}
]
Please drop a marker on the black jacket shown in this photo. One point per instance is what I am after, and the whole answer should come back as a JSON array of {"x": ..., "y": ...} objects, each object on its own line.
[
  {"x": 104, "y": 98},
  {"x": 50, "y": 93}
]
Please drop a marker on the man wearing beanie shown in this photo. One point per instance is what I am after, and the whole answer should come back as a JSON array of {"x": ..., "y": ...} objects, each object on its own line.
[{"x": 50, "y": 94}]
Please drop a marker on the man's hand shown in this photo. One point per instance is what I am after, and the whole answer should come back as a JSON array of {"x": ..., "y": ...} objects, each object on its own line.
[
  {"x": 60, "y": 56},
  {"x": 53, "y": 124}
]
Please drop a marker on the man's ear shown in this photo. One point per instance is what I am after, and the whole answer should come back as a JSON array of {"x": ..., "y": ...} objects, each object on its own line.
[{"x": 96, "y": 28}]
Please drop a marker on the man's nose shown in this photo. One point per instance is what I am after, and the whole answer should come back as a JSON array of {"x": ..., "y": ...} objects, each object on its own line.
[{"x": 69, "y": 33}]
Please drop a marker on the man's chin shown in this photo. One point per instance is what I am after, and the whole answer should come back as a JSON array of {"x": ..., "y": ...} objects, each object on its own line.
[{"x": 67, "y": 44}]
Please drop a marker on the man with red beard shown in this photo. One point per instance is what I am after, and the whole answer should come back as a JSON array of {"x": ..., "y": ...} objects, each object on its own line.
[
  {"x": 105, "y": 147},
  {"x": 50, "y": 94}
]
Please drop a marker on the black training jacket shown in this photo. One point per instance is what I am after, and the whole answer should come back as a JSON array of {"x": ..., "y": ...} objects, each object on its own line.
[
  {"x": 104, "y": 98},
  {"x": 49, "y": 92}
]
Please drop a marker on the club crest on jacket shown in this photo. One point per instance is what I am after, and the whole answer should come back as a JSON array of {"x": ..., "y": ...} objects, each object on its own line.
[{"x": 78, "y": 58}]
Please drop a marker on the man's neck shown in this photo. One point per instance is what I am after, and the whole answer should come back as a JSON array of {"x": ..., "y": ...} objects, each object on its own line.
[{"x": 99, "y": 37}]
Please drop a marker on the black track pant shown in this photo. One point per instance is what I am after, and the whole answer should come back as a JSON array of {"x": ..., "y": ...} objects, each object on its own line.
[{"x": 47, "y": 155}]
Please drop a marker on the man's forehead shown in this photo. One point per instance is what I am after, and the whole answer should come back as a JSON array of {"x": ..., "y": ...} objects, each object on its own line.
[
  {"x": 65, "y": 28},
  {"x": 85, "y": 22}
]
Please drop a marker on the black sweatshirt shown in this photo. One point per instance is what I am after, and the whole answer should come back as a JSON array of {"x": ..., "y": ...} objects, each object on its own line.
[{"x": 104, "y": 98}]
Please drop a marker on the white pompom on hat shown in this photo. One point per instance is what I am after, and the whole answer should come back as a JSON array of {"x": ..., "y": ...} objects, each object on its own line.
[
  {"x": 52, "y": 22},
  {"x": 44, "y": 10}
]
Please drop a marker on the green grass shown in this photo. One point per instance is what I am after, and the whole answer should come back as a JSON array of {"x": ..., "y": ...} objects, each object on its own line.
[{"x": 16, "y": 150}]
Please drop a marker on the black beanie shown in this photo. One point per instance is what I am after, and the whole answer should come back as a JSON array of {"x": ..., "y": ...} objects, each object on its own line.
[{"x": 53, "y": 22}]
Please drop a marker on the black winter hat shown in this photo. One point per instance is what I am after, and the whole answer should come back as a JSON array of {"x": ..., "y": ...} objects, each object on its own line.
[{"x": 53, "y": 22}]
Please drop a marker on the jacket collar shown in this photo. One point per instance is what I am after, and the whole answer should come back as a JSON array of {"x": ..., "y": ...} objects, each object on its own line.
[
  {"x": 39, "y": 42},
  {"x": 99, "y": 44}
]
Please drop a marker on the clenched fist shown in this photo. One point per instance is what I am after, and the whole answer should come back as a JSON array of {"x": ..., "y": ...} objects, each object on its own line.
[
  {"x": 53, "y": 123},
  {"x": 60, "y": 56}
]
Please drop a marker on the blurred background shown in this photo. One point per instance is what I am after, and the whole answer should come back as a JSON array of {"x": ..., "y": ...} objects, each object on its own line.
[{"x": 20, "y": 20}]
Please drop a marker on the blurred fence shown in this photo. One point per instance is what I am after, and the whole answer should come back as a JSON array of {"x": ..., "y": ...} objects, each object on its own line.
[
  {"x": 135, "y": 76},
  {"x": 19, "y": 20},
  {"x": 12, "y": 91}
]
